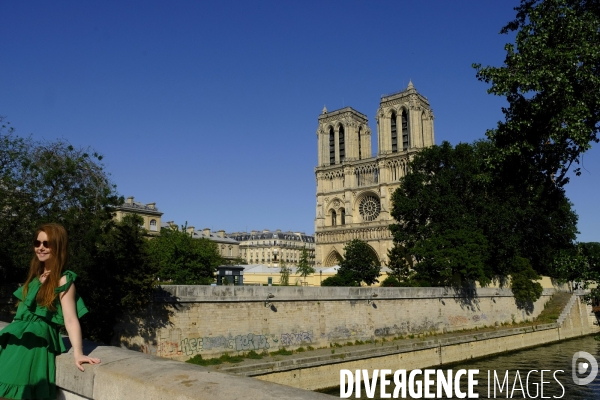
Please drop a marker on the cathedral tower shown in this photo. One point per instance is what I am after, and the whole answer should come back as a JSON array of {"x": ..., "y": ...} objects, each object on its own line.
[{"x": 353, "y": 187}]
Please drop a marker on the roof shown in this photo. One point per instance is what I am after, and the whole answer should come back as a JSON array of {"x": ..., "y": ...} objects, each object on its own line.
[
  {"x": 264, "y": 235},
  {"x": 136, "y": 206}
]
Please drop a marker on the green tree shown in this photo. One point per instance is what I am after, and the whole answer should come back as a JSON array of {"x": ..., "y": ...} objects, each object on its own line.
[
  {"x": 400, "y": 263},
  {"x": 551, "y": 81},
  {"x": 122, "y": 279},
  {"x": 284, "y": 274},
  {"x": 461, "y": 226},
  {"x": 183, "y": 260},
  {"x": 359, "y": 264},
  {"x": 304, "y": 268},
  {"x": 50, "y": 182}
]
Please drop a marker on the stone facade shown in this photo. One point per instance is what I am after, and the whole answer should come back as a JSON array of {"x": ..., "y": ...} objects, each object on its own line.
[
  {"x": 272, "y": 248},
  {"x": 148, "y": 212},
  {"x": 353, "y": 187}
]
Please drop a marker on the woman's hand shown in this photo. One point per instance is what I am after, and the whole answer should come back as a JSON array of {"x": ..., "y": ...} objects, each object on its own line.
[{"x": 79, "y": 360}]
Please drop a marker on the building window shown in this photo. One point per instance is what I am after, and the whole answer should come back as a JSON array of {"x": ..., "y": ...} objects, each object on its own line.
[
  {"x": 359, "y": 151},
  {"x": 331, "y": 147},
  {"x": 333, "y": 218},
  {"x": 153, "y": 225},
  {"x": 342, "y": 144},
  {"x": 369, "y": 208},
  {"x": 394, "y": 134},
  {"x": 405, "y": 137},
  {"x": 343, "y": 216}
]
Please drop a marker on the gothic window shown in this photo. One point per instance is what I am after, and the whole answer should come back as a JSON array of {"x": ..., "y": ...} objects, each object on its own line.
[
  {"x": 342, "y": 144},
  {"x": 359, "y": 152},
  {"x": 153, "y": 225},
  {"x": 331, "y": 147},
  {"x": 369, "y": 208},
  {"x": 405, "y": 138},
  {"x": 343, "y": 217},
  {"x": 333, "y": 217},
  {"x": 394, "y": 134}
]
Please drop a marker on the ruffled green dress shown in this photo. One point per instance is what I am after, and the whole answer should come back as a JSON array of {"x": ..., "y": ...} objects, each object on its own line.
[{"x": 30, "y": 344}]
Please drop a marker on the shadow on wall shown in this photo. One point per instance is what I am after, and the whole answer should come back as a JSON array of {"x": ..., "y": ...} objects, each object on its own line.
[
  {"x": 466, "y": 297},
  {"x": 146, "y": 323}
]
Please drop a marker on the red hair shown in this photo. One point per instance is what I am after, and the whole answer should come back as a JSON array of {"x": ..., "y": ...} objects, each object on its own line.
[{"x": 57, "y": 241}]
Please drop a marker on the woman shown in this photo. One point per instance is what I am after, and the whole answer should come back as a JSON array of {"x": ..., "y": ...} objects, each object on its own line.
[{"x": 47, "y": 301}]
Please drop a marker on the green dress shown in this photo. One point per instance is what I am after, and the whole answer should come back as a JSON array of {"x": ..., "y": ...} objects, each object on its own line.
[{"x": 30, "y": 344}]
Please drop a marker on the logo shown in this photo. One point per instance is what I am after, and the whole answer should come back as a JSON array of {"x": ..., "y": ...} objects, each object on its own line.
[{"x": 583, "y": 367}]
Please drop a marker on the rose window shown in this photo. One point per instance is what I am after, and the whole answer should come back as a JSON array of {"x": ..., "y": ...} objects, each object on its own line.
[{"x": 369, "y": 208}]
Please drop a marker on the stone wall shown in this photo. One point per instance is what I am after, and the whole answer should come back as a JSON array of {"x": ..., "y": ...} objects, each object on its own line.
[{"x": 210, "y": 321}]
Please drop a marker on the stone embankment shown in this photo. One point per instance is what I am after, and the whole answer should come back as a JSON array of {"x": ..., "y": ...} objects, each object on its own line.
[
  {"x": 212, "y": 320},
  {"x": 321, "y": 370}
]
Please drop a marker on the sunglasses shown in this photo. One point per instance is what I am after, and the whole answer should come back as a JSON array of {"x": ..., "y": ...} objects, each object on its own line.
[{"x": 38, "y": 243}]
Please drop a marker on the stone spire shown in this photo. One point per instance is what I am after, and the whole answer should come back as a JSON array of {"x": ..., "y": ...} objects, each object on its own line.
[
  {"x": 410, "y": 85},
  {"x": 324, "y": 111}
]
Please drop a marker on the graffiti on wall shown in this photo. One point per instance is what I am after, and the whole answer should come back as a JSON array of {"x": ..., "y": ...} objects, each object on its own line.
[
  {"x": 290, "y": 339},
  {"x": 393, "y": 330},
  {"x": 345, "y": 332},
  {"x": 191, "y": 346},
  {"x": 251, "y": 342}
]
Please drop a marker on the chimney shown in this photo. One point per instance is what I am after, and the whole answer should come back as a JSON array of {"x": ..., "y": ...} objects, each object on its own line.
[
  {"x": 221, "y": 233},
  {"x": 190, "y": 229},
  {"x": 171, "y": 224},
  {"x": 129, "y": 200},
  {"x": 266, "y": 231},
  {"x": 151, "y": 206},
  {"x": 206, "y": 232}
]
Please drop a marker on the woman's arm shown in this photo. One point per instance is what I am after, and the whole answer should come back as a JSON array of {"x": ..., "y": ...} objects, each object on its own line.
[{"x": 67, "y": 301}]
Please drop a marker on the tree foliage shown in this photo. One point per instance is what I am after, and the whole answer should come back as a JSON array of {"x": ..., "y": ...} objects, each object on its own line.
[
  {"x": 183, "y": 260},
  {"x": 284, "y": 274},
  {"x": 50, "y": 182},
  {"x": 580, "y": 264},
  {"x": 459, "y": 225},
  {"x": 551, "y": 80},
  {"x": 304, "y": 268},
  {"x": 121, "y": 279},
  {"x": 359, "y": 264}
]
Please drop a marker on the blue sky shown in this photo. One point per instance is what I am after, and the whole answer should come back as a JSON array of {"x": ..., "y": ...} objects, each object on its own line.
[{"x": 210, "y": 109}]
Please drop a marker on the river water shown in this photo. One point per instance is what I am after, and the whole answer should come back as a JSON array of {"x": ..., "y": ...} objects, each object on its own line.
[{"x": 557, "y": 358}]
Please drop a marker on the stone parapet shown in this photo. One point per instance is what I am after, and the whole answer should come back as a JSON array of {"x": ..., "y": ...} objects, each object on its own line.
[{"x": 212, "y": 294}]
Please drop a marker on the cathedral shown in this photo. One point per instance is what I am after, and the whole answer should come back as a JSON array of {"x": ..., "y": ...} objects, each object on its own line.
[{"x": 354, "y": 188}]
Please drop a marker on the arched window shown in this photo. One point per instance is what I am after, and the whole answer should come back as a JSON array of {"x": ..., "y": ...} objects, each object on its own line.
[
  {"x": 331, "y": 147},
  {"x": 359, "y": 152},
  {"x": 342, "y": 144},
  {"x": 405, "y": 138},
  {"x": 333, "y": 218},
  {"x": 343, "y": 217},
  {"x": 153, "y": 225},
  {"x": 394, "y": 134}
]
